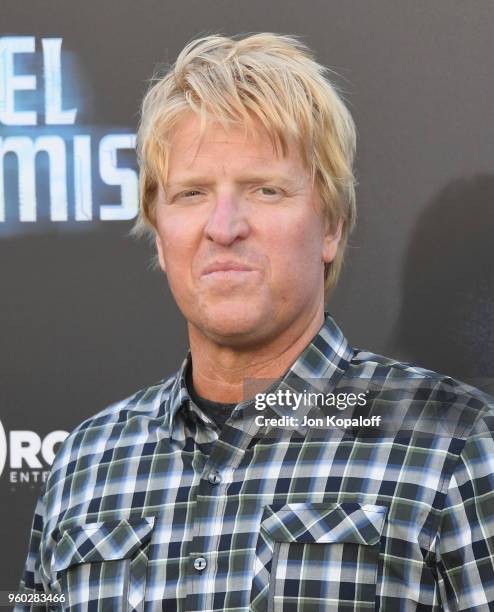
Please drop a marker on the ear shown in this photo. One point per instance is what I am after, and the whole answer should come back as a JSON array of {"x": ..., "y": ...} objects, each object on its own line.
[
  {"x": 159, "y": 249},
  {"x": 331, "y": 242}
]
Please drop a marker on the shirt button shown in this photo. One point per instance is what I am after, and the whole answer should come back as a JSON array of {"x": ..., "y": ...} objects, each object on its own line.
[
  {"x": 200, "y": 563},
  {"x": 214, "y": 477}
]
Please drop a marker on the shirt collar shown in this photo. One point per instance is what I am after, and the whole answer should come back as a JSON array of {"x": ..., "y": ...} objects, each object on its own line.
[{"x": 324, "y": 359}]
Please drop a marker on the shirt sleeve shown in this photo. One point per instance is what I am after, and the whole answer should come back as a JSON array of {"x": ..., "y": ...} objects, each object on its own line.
[
  {"x": 33, "y": 579},
  {"x": 465, "y": 543}
]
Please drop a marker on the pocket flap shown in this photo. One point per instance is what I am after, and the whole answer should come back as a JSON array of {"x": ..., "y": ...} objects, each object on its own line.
[
  {"x": 324, "y": 522},
  {"x": 102, "y": 541}
]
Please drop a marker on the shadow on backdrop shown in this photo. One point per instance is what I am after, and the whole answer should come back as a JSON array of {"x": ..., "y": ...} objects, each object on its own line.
[
  {"x": 446, "y": 320},
  {"x": 84, "y": 323}
]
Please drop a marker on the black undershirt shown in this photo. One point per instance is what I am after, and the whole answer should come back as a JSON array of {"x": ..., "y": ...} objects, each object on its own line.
[{"x": 216, "y": 411}]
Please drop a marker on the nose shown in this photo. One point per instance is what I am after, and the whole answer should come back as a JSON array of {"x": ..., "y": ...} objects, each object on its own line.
[{"x": 227, "y": 221}]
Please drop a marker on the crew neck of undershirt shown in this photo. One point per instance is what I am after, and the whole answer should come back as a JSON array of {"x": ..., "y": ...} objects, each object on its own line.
[{"x": 219, "y": 412}]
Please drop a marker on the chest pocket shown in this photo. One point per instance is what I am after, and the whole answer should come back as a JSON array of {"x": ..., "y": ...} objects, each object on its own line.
[
  {"x": 317, "y": 557},
  {"x": 103, "y": 565}
]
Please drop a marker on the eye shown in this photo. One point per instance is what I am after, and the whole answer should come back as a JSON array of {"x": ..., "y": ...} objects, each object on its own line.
[
  {"x": 186, "y": 195},
  {"x": 191, "y": 193},
  {"x": 268, "y": 191}
]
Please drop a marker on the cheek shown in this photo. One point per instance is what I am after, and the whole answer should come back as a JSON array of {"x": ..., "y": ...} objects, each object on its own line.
[
  {"x": 296, "y": 252},
  {"x": 177, "y": 242}
]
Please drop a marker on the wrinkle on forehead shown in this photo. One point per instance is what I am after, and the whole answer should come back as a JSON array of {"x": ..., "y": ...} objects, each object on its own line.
[{"x": 215, "y": 132}]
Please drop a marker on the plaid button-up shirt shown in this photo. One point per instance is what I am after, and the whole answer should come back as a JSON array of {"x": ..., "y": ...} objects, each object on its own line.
[{"x": 148, "y": 506}]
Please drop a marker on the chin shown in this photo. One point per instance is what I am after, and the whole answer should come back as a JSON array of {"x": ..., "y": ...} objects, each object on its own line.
[{"x": 232, "y": 319}]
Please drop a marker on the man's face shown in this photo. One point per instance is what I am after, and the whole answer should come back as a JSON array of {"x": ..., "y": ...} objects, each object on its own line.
[{"x": 239, "y": 234}]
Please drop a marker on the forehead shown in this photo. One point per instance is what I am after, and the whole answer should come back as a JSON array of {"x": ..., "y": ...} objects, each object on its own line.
[{"x": 235, "y": 146}]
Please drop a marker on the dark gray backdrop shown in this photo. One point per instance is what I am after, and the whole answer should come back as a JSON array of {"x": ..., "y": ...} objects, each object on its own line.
[{"x": 85, "y": 322}]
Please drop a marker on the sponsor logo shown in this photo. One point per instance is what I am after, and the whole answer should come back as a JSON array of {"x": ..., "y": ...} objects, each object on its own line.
[
  {"x": 53, "y": 166},
  {"x": 27, "y": 456},
  {"x": 3, "y": 448}
]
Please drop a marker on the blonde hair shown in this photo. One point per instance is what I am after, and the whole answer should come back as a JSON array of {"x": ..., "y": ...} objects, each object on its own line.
[{"x": 268, "y": 78}]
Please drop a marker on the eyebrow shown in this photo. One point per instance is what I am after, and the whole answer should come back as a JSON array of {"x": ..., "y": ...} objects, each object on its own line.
[{"x": 257, "y": 178}]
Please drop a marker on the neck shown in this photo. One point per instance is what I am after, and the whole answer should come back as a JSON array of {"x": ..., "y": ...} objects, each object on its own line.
[{"x": 219, "y": 371}]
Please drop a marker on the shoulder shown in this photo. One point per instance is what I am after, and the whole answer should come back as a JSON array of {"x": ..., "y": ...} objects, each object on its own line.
[
  {"x": 448, "y": 397},
  {"x": 144, "y": 402},
  {"x": 126, "y": 422}
]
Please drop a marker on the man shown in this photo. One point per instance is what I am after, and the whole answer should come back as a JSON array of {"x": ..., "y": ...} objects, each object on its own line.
[{"x": 280, "y": 468}]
